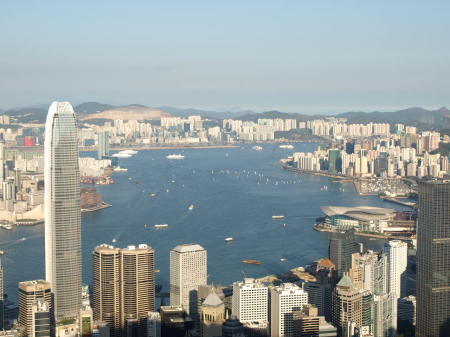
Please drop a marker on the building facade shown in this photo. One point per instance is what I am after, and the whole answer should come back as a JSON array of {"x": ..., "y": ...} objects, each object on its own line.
[
  {"x": 284, "y": 300},
  {"x": 62, "y": 210},
  {"x": 433, "y": 259},
  {"x": 250, "y": 301},
  {"x": 188, "y": 270},
  {"x": 124, "y": 287},
  {"x": 29, "y": 292}
]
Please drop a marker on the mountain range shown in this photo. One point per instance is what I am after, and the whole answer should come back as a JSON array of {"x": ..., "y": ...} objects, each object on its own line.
[{"x": 434, "y": 119}]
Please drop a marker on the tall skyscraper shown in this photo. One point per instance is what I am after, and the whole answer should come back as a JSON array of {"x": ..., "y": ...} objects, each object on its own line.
[
  {"x": 29, "y": 292},
  {"x": 397, "y": 255},
  {"x": 62, "y": 210},
  {"x": 250, "y": 301},
  {"x": 284, "y": 300},
  {"x": 212, "y": 313},
  {"x": 103, "y": 144},
  {"x": 340, "y": 250},
  {"x": 124, "y": 287},
  {"x": 433, "y": 259},
  {"x": 188, "y": 270}
]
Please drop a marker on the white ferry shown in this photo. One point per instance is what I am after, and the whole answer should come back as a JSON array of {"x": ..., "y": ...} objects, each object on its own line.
[
  {"x": 229, "y": 239},
  {"x": 278, "y": 217},
  {"x": 164, "y": 225},
  {"x": 286, "y": 146},
  {"x": 120, "y": 169},
  {"x": 175, "y": 156},
  {"x": 121, "y": 155}
]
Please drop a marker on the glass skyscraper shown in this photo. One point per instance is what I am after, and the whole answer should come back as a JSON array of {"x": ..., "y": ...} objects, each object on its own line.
[
  {"x": 62, "y": 210},
  {"x": 433, "y": 259}
]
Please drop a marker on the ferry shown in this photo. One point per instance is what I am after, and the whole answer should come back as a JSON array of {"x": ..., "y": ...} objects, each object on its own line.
[
  {"x": 120, "y": 169},
  {"x": 275, "y": 217},
  {"x": 121, "y": 155},
  {"x": 6, "y": 226},
  {"x": 229, "y": 239},
  {"x": 175, "y": 156},
  {"x": 190, "y": 207},
  {"x": 248, "y": 261},
  {"x": 286, "y": 146},
  {"x": 257, "y": 148},
  {"x": 164, "y": 225},
  {"x": 125, "y": 154}
]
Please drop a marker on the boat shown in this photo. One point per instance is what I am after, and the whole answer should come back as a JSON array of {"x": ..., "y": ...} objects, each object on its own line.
[
  {"x": 190, "y": 207},
  {"x": 167, "y": 190},
  {"x": 153, "y": 195},
  {"x": 248, "y": 261},
  {"x": 283, "y": 259},
  {"x": 164, "y": 225},
  {"x": 286, "y": 146},
  {"x": 131, "y": 152},
  {"x": 113, "y": 240},
  {"x": 120, "y": 169},
  {"x": 229, "y": 239},
  {"x": 275, "y": 217},
  {"x": 22, "y": 239},
  {"x": 2, "y": 252},
  {"x": 175, "y": 156},
  {"x": 257, "y": 148},
  {"x": 121, "y": 155}
]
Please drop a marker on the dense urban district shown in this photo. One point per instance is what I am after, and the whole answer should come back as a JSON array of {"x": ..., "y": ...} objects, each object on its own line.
[{"x": 401, "y": 290}]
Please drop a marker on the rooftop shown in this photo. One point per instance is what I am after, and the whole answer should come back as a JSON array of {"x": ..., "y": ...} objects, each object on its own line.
[
  {"x": 363, "y": 213},
  {"x": 190, "y": 247}
]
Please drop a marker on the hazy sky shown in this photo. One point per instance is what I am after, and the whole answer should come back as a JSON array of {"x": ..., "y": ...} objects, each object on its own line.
[{"x": 304, "y": 56}]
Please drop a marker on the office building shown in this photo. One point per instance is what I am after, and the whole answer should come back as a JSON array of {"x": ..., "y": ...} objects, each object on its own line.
[
  {"x": 41, "y": 320},
  {"x": 306, "y": 322},
  {"x": 154, "y": 324},
  {"x": 124, "y": 287},
  {"x": 433, "y": 259},
  {"x": 174, "y": 321},
  {"x": 284, "y": 300},
  {"x": 103, "y": 144},
  {"x": 340, "y": 250},
  {"x": 350, "y": 304},
  {"x": 29, "y": 292},
  {"x": 86, "y": 319},
  {"x": 212, "y": 315},
  {"x": 250, "y": 301},
  {"x": 319, "y": 295},
  {"x": 188, "y": 270},
  {"x": 62, "y": 210},
  {"x": 397, "y": 255}
]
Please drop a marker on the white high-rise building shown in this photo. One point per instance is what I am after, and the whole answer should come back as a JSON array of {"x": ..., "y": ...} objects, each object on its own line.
[
  {"x": 397, "y": 253},
  {"x": 188, "y": 270},
  {"x": 250, "y": 301},
  {"x": 62, "y": 210},
  {"x": 283, "y": 301}
]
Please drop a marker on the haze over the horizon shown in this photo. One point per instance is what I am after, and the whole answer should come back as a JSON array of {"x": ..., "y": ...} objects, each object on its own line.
[{"x": 317, "y": 56}]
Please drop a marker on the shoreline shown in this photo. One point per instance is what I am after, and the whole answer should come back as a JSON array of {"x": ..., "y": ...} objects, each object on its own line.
[
  {"x": 171, "y": 147},
  {"x": 318, "y": 228}
]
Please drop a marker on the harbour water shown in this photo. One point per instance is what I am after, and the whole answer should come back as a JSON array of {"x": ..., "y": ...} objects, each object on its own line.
[{"x": 235, "y": 192}]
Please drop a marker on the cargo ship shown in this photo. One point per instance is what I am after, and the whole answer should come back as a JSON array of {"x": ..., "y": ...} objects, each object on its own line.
[{"x": 248, "y": 261}]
